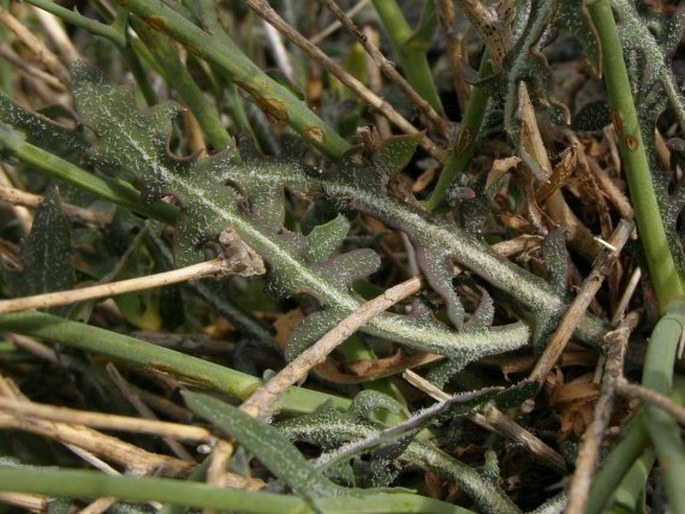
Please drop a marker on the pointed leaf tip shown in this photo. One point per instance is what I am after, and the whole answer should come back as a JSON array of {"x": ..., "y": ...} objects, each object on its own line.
[{"x": 396, "y": 152}]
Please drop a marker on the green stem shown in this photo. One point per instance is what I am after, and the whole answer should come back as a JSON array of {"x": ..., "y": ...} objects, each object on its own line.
[
  {"x": 178, "y": 77},
  {"x": 467, "y": 138},
  {"x": 68, "y": 483},
  {"x": 272, "y": 97},
  {"x": 617, "y": 464},
  {"x": 631, "y": 492},
  {"x": 209, "y": 17},
  {"x": 60, "y": 169},
  {"x": 667, "y": 283},
  {"x": 411, "y": 54},
  {"x": 157, "y": 359},
  {"x": 115, "y": 33},
  {"x": 662, "y": 427},
  {"x": 658, "y": 369},
  {"x": 78, "y": 20},
  {"x": 650, "y": 422},
  {"x": 140, "y": 75}
]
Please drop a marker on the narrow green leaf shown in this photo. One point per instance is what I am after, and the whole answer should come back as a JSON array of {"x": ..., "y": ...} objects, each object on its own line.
[
  {"x": 47, "y": 254},
  {"x": 556, "y": 260},
  {"x": 395, "y": 152},
  {"x": 273, "y": 450}
]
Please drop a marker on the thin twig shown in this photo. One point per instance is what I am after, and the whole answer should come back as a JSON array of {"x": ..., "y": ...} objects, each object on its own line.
[
  {"x": 388, "y": 68},
  {"x": 80, "y": 438},
  {"x": 581, "y": 302},
  {"x": 396, "y": 432},
  {"x": 628, "y": 292},
  {"x": 144, "y": 411},
  {"x": 43, "y": 351},
  {"x": 615, "y": 342},
  {"x": 624, "y": 388},
  {"x": 105, "y": 421},
  {"x": 93, "y": 460},
  {"x": 36, "y": 46},
  {"x": 264, "y": 10},
  {"x": 350, "y": 13},
  {"x": 29, "y": 502},
  {"x": 98, "y": 506},
  {"x": 42, "y": 301},
  {"x": 18, "y": 197},
  {"x": 55, "y": 30},
  {"x": 218, "y": 463},
  {"x": 376, "y": 82},
  {"x": 495, "y": 421},
  {"x": 23, "y": 216},
  {"x": 455, "y": 45},
  {"x": 260, "y": 403}
]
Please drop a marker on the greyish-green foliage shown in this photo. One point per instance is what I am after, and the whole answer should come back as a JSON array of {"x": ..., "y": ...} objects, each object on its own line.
[
  {"x": 329, "y": 429},
  {"x": 254, "y": 190},
  {"x": 267, "y": 443},
  {"x": 46, "y": 257},
  {"x": 211, "y": 193}
]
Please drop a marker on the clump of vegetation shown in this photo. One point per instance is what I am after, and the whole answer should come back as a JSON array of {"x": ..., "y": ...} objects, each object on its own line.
[{"x": 385, "y": 256}]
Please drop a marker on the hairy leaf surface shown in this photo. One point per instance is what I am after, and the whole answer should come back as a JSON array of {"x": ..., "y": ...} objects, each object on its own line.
[
  {"x": 47, "y": 254},
  {"x": 273, "y": 450},
  {"x": 218, "y": 193}
]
